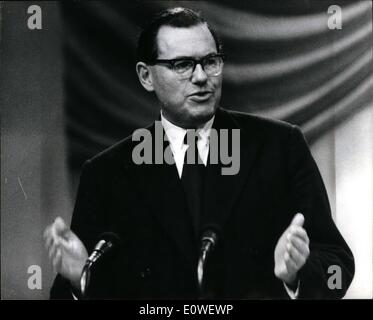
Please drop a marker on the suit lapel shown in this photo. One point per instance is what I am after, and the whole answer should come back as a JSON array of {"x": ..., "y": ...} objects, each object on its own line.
[
  {"x": 222, "y": 191},
  {"x": 160, "y": 185}
]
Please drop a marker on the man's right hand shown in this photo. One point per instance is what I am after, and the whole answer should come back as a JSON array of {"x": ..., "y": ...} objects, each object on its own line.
[{"x": 66, "y": 252}]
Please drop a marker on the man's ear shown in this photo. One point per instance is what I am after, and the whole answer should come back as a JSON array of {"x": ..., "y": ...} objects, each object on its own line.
[{"x": 145, "y": 76}]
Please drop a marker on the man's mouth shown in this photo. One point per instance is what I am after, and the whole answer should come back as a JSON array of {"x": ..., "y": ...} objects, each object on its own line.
[{"x": 201, "y": 95}]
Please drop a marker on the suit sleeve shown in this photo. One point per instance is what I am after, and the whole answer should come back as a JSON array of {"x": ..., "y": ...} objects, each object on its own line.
[
  {"x": 85, "y": 224},
  {"x": 328, "y": 249}
]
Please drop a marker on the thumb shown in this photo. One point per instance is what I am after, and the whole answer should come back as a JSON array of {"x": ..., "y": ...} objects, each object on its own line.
[
  {"x": 298, "y": 220},
  {"x": 60, "y": 227}
]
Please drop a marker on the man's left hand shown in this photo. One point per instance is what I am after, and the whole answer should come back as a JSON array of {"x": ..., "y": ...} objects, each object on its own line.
[{"x": 292, "y": 251}]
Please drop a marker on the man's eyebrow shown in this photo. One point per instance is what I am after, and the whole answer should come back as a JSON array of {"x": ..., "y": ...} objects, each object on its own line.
[{"x": 181, "y": 57}]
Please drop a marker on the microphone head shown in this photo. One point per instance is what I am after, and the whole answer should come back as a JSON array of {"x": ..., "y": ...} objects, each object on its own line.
[
  {"x": 111, "y": 237},
  {"x": 108, "y": 241},
  {"x": 210, "y": 233}
]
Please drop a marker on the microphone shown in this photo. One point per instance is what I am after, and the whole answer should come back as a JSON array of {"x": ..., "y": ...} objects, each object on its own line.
[
  {"x": 208, "y": 243},
  {"x": 208, "y": 240},
  {"x": 109, "y": 241}
]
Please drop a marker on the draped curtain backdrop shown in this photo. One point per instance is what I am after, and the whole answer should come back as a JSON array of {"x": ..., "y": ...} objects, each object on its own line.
[{"x": 283, "y": 62}]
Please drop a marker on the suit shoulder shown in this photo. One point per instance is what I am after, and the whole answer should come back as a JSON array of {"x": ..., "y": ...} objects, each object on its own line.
[
  {"x": 260, "y": 124},
  {"x": 117, "y": 153}
]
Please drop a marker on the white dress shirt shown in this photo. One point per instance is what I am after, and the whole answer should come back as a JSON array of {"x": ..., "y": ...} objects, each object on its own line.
[{"x": 176, "y": 137}]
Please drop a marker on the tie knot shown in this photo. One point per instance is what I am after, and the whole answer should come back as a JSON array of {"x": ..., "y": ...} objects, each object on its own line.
[{"x": 192, "y": 154}]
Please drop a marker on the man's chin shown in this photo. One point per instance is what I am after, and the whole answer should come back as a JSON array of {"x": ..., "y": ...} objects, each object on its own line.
[{"x": 200, "y": 117}]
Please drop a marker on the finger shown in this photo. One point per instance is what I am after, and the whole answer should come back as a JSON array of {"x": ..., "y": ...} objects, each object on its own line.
[
  {"x": 57, "y": 261},
  {"x": 60, "y": 227},
  {"x": 47, "y": 232},
  {"x": 298, "y": 220},
  {"x": 300, "y": 245},
  {"x": 48, "y": 237},
  {"x": 299, "y": 232},
  {"x": 53, "y": 238},
  {"x": 55, "y": 233},
  {"x": 52, "y": 251},
  {"x": 48, "y": 243},
  {"x": 50, "y": 230},
  {"x": 295, "y": 256},
  {"x": 290, "y": 265},
  {"x": 63, "y": 231}
]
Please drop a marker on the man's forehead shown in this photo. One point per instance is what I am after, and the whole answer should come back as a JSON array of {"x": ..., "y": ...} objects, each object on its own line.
[{"x": 189, "y": 41}]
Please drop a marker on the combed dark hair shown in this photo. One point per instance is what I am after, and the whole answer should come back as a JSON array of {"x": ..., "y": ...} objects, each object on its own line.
[{"x": 147, "y": 49}]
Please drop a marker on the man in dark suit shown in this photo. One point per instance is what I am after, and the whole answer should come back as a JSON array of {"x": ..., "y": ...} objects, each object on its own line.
[{"x": 276, "y": 236}]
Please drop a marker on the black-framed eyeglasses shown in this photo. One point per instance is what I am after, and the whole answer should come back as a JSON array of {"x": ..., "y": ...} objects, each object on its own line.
[{"x": 212, "y": 64}]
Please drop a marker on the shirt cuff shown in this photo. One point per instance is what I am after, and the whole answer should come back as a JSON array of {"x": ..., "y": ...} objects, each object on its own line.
[{"x": 293, "y": 295}]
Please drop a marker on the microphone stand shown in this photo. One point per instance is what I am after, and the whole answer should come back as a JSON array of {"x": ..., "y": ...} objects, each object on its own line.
[
  {"x": 200, "y": 273},
  {"x": 208, "y": 243},
  {"x": 85, "y": 279}
]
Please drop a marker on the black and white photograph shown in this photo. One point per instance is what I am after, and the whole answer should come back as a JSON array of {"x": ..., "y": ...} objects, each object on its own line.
[{"x": 195, "y": 151}]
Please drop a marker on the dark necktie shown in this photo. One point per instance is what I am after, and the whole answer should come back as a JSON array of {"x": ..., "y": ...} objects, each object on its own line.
[{"x": 193, "y": 178}]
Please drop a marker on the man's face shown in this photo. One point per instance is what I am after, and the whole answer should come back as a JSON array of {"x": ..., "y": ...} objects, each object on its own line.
[{"x": 186, "y": 102}]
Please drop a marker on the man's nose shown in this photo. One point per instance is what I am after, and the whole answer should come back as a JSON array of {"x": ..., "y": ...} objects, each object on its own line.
[{"x": 199, "y": 75}]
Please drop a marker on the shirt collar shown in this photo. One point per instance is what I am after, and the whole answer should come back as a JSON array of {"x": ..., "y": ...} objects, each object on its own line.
[{"x": 176, "y": 134}]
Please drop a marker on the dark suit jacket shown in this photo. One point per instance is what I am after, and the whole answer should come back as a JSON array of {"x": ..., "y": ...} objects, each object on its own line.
[{"x": 145, "y": 205}]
